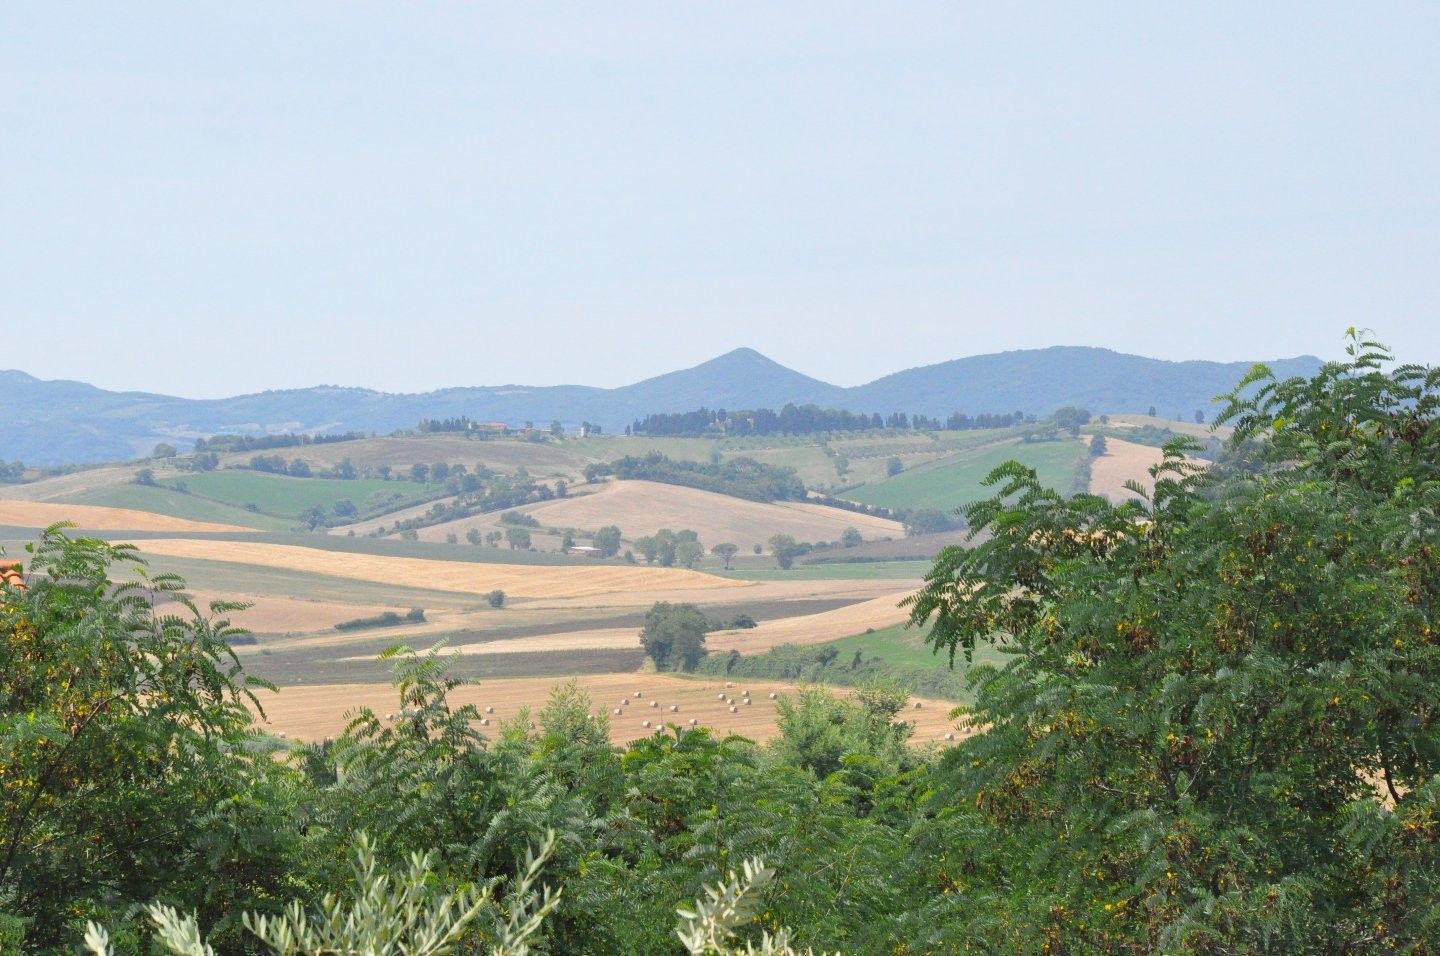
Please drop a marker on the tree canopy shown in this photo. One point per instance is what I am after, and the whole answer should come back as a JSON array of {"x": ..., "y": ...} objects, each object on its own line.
[{"x": 1217, "y": 731}]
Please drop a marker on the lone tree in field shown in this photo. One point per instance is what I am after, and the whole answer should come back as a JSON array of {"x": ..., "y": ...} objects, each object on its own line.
[
  {"x": 517, "y": 537},
  {"x": 851, "y": 537},
  {"x": 607, "y": 539},
  {"x": 785, "y": 549},
  {"x": 1217, "y": 726},
  {"x": 725, "y": 552},
  {"x": 674, "y": 636},
  {"x": 1097, "y": 445},
  {"x": 893, "y": 466}
]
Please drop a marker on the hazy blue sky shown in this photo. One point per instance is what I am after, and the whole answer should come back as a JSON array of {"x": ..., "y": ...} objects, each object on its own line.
[{"x": 207, "y": 198}]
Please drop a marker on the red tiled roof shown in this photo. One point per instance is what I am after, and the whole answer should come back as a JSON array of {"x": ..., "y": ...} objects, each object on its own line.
[{"x": 10, "y": 573}]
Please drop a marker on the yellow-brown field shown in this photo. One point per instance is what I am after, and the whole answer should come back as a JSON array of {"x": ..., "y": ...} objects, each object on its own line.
[
  {"x": 319, "y": 711},
  {"x": 459, "y": 576},
  {"x": 1122, "y": 462},
  {"x": 42, "y": 514},
  {"x": 640, "y": 508}
]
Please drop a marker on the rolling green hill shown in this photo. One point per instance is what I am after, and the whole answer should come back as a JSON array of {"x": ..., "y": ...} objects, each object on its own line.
[
  {"x": 283, "y": 497},
  {"x": 951, "y": 485}
]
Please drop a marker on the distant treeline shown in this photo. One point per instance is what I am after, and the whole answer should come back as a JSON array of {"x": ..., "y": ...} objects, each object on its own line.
[
  {"x": 224, "y": 443},
  {"x": 824, "y": 664},
  {"x": 12, "y": 472},
  {"x": 739, "y": 477},
  {"x": 805, "y": 420},
  {"x": 463, "y": 423},
  {"x": 388, "y": 619}
]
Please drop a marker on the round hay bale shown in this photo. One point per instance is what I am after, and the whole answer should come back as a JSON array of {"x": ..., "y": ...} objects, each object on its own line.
[
  {"x": 917, "y": 705},
  {"x": 694, "y": 722},
  {"x": 490, "y": 709},
  {"x": 617, "y": 711},
  {"x": 625, "y": 702},
  {"x": 747, "y": 701},
  {"x": 733, "y": 708},
  {"x": 773, "y": 695},
  {"x": 949, "y": 736},
  {"x": 645, "y": 723},
  {"x": 484, "y": 721},
  {"x": 654, "y": 703},
  {"x": 674, "y": 708},
  {"x": 729, "y": 683}
]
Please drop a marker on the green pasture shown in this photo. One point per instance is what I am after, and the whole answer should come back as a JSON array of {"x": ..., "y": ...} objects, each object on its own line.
[
  {"x": 284, "y": 497},
  {"x": 953, "y": 485},
  {"x": 159, "y": 499}
]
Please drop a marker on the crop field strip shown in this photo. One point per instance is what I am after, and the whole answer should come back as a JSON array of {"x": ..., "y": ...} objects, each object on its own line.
[
  {"x": 321, "y": 655},
  {"x": 315, "y": 712},
  {"x": 641, "y": 508},
  {"x": 458, "y": 576},
  {"x": 42, "y": 514}
]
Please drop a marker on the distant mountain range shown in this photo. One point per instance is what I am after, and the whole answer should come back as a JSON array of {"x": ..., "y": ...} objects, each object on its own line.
[{"x": 59, "y": 422}]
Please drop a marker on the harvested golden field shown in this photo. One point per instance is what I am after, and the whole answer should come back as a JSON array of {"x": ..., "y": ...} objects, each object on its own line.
[
  {"x": 272, "y": 614},
  {"x": 813, "y": 628},
  {"x": 1122, "y": 462},
  {"x": 42, "y": 514},
  {"x": 319, "y": 711},
  {"x": 640, "y": 508},
  {"x": 517, "y": 581}
]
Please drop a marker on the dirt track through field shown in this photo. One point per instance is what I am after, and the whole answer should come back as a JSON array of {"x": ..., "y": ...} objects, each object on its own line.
[
  {"x": 640, "y": 508},
  {"x": 319, "y": 711},
  {"x": 42, "y": 514},
  {"x": 518, "y": 581}
]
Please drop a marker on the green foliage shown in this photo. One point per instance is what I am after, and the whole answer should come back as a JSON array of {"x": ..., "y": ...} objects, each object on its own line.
[
  {"x": 607, "y": 539},
  {"x": 709, "y": 927},
  {"x": 495, "y": 598},
  {"x": 726, "y": 552},
  {"x": 386, "y": 913},
  {"x": 1213, "y": 693},
  {"x": 674, "y": 635},
  {"x": 517, "y": 537},
  {"x": 113, "y": 715},
  {"x": 851, "y": 537}
]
